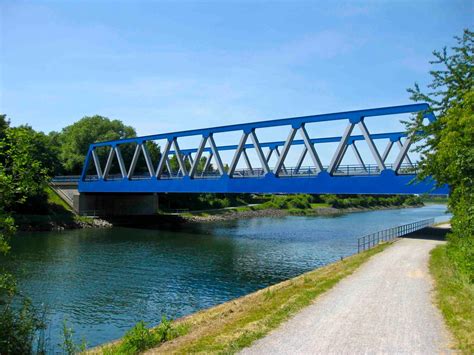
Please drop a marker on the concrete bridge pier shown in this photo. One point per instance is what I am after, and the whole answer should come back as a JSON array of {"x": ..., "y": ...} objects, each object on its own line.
[
  {"x": 105, "y": 204},
  {"x": 120, "y": 204}
]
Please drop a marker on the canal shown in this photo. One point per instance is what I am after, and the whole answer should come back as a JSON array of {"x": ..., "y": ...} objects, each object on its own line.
[{"x": 104, "y": 281}]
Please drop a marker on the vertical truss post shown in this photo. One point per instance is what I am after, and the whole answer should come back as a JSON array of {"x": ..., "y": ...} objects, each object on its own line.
[
  {"x": 403, "y": 153},
  {"x": 237, "y": 154},
  {"x": 341, "y": 149},
  {"x": 371, "y": 144},
  {"x": 284, "y": 152},
  {"x": 108, "y": 165},
  {"x": 149, "y": 163},
  {"x": 133, "y": 164},
  {"x": 357, "y": 154},
  {"x": 309, "y": 147},
  {"x": 123, "y": 170},
  {"x": 258, "y": 150},
  {"x": 97, "y": 164},
  {"x": 195, "y": 164},
  {"x": 216, "y": 155},
  {"x": 164, "y": 160}
]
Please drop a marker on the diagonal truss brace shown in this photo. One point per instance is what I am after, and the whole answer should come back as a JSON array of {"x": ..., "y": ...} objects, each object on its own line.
[
  {"x": 179, "y": 157},
  {"x": 403, "y": 154},
  {"x": 388, "y": 149},
  {"x": 357, "y": 155},
  {"x": 309, "y": 147},
  {"x": 284, "y": 151},
  {"x": 371, "y": 144},
  {"x": 241, "y": 148},
  {"x": 258, "y": 150},
  {"x": 164, "y": 161},
  {"x": 217, "y": 157},
  {"x": 341, "y": 149},
  {"x": 247, "y": 161},
  {"x": 197, "y": 158},
  {"x": 97, "y": 164}
]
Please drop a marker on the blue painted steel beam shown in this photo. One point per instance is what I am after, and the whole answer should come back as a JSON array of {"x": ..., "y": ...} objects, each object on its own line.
[
  {"x": 385, "y": 183},
  {"x": 394, "y": 136},
  {"x": 294, "y": 121}
]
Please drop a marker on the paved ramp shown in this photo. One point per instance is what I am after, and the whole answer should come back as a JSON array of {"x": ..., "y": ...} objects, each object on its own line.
[{"x": 384, "y": 307}]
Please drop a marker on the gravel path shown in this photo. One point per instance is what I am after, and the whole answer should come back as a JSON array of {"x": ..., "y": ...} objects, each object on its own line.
[{"x": 384, "y": 307}]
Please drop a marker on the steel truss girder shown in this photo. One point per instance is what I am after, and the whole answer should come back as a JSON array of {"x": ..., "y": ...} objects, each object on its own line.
[{"x": 297, "y": 123}]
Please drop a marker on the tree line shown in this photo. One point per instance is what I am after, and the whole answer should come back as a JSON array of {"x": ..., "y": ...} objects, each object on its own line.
[{"x": 29, "y": 158}]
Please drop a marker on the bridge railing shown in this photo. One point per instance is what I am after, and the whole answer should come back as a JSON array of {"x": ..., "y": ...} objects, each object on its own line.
[
  {"x": 371, "y": 240},
  {"x": 342, "y": 170},
  {"x": 66, "y": 178}
]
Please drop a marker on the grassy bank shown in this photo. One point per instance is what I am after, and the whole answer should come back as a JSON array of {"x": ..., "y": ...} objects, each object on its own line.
[
  {"x": 304, "y": 205},
  {"x": 54, "y": 215},
  {"x": 455, "y": 299},
  {"x": 231, "y": 326}
]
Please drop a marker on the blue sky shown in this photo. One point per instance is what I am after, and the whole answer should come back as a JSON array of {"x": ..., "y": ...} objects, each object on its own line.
[{"x": 164, "y": 66}]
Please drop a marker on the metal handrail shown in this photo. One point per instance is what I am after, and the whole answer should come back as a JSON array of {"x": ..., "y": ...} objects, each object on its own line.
[
  {"x": 371, "y": 240},
  {"x": 342, "y": 170}
]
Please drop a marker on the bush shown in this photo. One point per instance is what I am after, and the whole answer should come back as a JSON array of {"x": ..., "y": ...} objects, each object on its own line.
[
  {"x": 141, "y": 338},
  {"x": 18, "y": 328}
]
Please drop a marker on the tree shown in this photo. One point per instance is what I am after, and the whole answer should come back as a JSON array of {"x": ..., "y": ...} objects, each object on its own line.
[
  {"x": 447, "y": 150},
  {"x": 23, "y": 171},
  {"x": 453, "y": 79},
  {"x": 22, "y": 176},
  {"x": 76, "y": 138}
]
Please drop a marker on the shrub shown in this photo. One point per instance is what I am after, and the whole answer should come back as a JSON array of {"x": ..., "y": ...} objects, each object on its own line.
[{"x": 141, "y": 338}]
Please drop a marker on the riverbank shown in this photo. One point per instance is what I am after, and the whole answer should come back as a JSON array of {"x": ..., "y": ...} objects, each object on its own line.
[
  {"x": 61, "y": 216},
  {"x": 234, "y": 325},
  {"x": 254, "y": 212},
  {"x": 57, "y": 222},
  {"x": 57, "y": 215}
]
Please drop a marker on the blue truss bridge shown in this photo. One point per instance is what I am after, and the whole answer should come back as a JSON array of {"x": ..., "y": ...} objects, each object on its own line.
[{"x": 298, "y": 163}]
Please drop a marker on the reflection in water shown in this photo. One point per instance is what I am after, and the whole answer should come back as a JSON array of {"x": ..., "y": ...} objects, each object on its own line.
[{"x": 104, "y": 281}]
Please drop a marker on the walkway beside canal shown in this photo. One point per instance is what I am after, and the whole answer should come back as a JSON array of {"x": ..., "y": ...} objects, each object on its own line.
[{"x": 384, "y": 307}]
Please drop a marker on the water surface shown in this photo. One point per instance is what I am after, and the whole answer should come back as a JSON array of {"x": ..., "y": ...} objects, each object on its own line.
[{"x": 104, "y": 281}]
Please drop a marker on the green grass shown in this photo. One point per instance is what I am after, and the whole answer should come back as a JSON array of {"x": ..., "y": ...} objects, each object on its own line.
[
  {"x": 320, "y": 205},
  {"x": 58, "y": 213},
  {"x": 455, "y": 299},
  {"x": 141, "y": 338},
  {"x": 231, "y": 326},
  {"x": 55, "y": 200}
]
